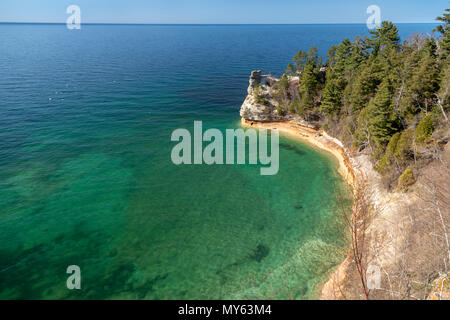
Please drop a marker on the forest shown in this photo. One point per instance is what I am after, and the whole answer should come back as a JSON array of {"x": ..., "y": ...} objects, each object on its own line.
[{"x": 377, "y": 95}]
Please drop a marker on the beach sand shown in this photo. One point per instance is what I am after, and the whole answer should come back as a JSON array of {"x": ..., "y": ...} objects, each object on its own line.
[{"x": 315, "y": 138}]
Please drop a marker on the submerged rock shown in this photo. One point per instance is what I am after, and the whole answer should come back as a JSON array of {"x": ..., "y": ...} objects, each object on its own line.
[{"x": 260, "y": 253}]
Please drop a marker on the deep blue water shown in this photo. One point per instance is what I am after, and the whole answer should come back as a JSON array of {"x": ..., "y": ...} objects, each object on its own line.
[{"x": 86, "y": 178}]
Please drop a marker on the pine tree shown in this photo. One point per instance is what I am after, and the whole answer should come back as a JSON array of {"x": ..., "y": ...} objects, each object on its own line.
[
  {"x": 383, "y": 122},
  {"x": 332, "y": 97},
  {"x": 364, "y": 85},
  {"x": 444, "y": 29},
  {"x": 341, "y": 58},
  {"x": 443, "y": 96},
  {"x": 299, "y": 60},
  {"x": 424, "y": 83},
  {"x": 375, "y": 90},
  {"x": 309, "y": 80},
  {"x": 424, "y": 129},
  {"x": 385, "y": 36}
]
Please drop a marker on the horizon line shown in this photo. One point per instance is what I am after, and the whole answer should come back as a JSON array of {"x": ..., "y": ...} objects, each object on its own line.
[{"x": 207, "y": 24}]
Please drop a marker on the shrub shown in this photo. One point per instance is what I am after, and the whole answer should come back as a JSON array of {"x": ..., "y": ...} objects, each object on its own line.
[
  {"x": 283, "y": 84},
  {"x": 280, "y": 110},
  {"x": 424, "y": 129},
  {"x": 392, "y": 145},
  {"x": 257, "y": 94},
  {"x": 404, "y": 146},
  {"x": 384, "y": 165},
  {"x": 293, "y": 107},
  {"x": 406, "y": 179}
]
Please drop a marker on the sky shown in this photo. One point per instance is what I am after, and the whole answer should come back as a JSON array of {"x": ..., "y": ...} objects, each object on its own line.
[{"x": 222, "y": 11}]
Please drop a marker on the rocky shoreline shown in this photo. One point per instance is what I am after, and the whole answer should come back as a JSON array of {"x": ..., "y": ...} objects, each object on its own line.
[{"x": 386, "y": 231}]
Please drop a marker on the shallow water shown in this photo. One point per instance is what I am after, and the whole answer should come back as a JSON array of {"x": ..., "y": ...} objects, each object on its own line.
[{"x": 86, "y": 177}]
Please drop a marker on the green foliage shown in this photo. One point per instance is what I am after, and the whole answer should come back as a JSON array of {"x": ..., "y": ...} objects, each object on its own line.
[
  {"x": 378, "y": 122},
  {"x": 424, "y": 129},
  {"x": 374, "y": 90},
  {"x": 342, "y": 61},
  {"x": 283, "y": 84},
  {"x": 309, "y": 80},
  {"x": 403, "y": 149},
  {"x": 257, "y": 90},
  {"x": 398, "y": 151},
  {"x": 425, "y": 82},
  {"x": 299, "y": 61},
  {"x": 332, "y": 97},
  {"x": 294, "y": 106},
  {"x": 280, "y": 110},
  {"x": 290, "y": 70},
  {"x": 365, "y": 84},
  {"x": 362, "y": 133},
  {"x": 383, "y": 122},
  {"x": 392, "y": 145},
  {"x": 406, "y": 179},
  {"x": 257, "y": 94},
  {"x": 384, "y": 165},
  {"x": 384, "y": 37},
  {"x": 444, "y": 29},
  {"x": 444, "y": 92},
  {"x": 282, "y": 89}
]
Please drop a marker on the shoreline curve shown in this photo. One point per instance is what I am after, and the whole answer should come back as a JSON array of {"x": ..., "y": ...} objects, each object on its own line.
[{"x": 330, "y": 288}]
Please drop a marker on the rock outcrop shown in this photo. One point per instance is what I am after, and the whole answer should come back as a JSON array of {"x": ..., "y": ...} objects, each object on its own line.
[{"x": 259, "y": 104}]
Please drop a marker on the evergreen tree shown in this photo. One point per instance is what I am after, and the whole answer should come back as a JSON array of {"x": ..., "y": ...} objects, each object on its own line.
[
  {"x": 375, "y": 90},
  {"x": 364, "y": 85},
  {"x": 444, "y": 29},
  {"x": 384, "y": 36},
  {"x": 300, "y": 60},
  {"x": 332, "y": 97},
  {"x": 424, "y": 129},
  {"x": 341, "y": 58},
  {"x": 424, "y": 83},
  {"x": 309, "y": 80},
  {"x": 383, "y": 122},
  {"x": 443, "y": 96}
]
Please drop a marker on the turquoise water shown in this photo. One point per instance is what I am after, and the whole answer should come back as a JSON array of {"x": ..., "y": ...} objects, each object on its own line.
[{"x": 86, "y": 177}]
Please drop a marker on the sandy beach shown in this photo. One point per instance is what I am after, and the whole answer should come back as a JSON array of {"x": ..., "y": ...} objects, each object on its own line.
[{"x": 314, "y": 137}]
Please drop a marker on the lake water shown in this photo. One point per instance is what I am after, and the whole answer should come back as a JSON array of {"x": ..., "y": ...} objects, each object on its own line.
[{"x": 86, "y": 177}]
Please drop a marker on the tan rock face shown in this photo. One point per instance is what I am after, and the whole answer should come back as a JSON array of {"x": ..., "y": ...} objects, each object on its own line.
[
  {"x": 259, "y": 104},
  {"x": 441, "y": 288}
]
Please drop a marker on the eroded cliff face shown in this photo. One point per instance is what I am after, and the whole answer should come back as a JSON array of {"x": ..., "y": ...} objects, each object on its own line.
[
  {"x": 258, "y": 105},
  {"x": 261, "y": 103}
]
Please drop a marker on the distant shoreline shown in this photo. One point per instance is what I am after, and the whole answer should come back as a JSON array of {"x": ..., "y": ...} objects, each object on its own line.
[{"x": 211, "y": 24}]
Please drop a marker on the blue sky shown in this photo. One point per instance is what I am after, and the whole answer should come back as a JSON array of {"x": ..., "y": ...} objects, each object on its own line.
[{"x": 221, "y": 11}]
